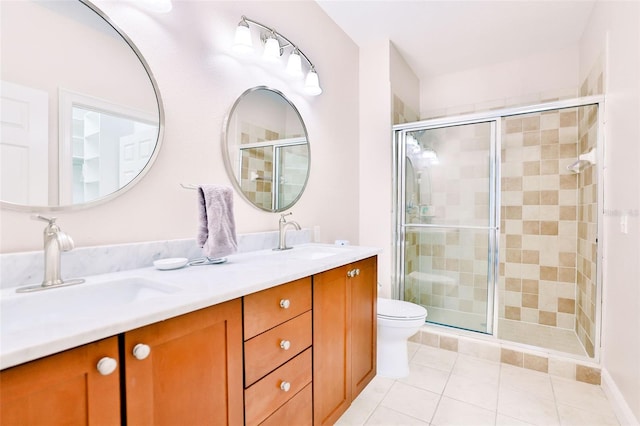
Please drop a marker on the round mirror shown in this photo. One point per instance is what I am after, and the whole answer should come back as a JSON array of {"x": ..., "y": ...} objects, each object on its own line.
[
  {"x": 266, "y": 149},
  {"x": 81, "y": 113}
]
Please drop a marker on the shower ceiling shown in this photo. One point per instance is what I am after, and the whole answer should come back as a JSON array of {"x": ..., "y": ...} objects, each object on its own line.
[{"x": 439, "y": 37}]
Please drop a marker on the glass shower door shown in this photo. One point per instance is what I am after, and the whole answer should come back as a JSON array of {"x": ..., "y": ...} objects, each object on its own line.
[{"x": 447, "y": 222}]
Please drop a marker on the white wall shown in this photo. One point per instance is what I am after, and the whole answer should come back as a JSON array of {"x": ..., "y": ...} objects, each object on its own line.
[
  {"x": 188, "y": 51},
  {"x": 404, "y": 82},
  {"x": 614, "y": 33},
  {"x": 374, "y": 159},
  {"x": 528, "y": 80}
]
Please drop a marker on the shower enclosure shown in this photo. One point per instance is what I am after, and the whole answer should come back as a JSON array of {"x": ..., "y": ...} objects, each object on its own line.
[{"x": 496, "y": 222}]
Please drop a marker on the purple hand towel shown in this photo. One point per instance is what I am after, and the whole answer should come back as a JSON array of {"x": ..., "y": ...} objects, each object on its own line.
[{"x": 217, "y": 228}]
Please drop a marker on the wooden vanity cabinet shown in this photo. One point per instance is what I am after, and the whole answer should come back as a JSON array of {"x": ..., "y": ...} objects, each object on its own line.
[
  {"x": 294, "y": 354},
  {"x": 192, "y": 374},
  {"x": 278, "y": 356},
  {"x": 344, "y": 336},
  {"x": 65, "y": 388}
]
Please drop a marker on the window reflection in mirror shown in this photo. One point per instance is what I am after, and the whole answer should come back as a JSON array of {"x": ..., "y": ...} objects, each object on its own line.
[{"x": 267, "y": 151}]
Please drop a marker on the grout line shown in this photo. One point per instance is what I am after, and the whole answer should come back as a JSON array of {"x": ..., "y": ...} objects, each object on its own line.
[{"x": 435, "y": 411}]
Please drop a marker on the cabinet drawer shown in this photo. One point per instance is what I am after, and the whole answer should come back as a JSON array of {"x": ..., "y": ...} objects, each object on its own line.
[
  {"x": 266, "y": 351},
  {"x": 266, "y": 395},
  {"x": 268, "y": 308},
  {"x": 297, "y": 411}
]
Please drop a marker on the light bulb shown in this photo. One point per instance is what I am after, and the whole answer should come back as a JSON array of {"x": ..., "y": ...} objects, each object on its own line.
[
  {"x": 312, "y": 83},
  {"x": 271, "y": 50},
  {"x": 243, "y": 41},
  {"x": 294, "y": 65}
]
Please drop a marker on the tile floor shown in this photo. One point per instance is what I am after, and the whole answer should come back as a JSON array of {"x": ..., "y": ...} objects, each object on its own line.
[{"x": 448, "y": 388}]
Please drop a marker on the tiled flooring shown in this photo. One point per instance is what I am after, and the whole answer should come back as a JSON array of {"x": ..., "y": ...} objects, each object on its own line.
[{"x": 448, "y": 388}]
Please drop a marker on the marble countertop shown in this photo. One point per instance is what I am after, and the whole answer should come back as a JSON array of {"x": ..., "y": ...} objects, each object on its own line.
[{"x": 28, "y": 332}]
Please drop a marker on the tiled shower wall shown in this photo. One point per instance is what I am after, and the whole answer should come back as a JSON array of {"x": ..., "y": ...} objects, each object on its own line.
[
  {"x": 539, "y": 219},
  {"x": 587, "y": 233},
  {"x": 549, "y": 222},
  {"x": 588, "y": 214}
]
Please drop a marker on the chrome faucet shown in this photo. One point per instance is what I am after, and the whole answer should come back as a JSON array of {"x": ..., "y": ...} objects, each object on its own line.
[
  {"x": 283, "y": 224},
  {"x": 55, "y": 242}
]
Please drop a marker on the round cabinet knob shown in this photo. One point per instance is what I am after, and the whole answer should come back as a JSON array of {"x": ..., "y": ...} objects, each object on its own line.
[
  {"x": 141, "y": 351},
  {"x": 351, "y": 273},
  {"x": 285, "y": 344},
  {"x": 357, "y": 272},
  {"x": 107, "y": 366},
  {"x": 285, "y": 386},
  {"x": 285, "y": 303}
]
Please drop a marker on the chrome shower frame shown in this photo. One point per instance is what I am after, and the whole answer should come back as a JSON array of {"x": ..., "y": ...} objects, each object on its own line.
[{"x": 494, "y": 116}]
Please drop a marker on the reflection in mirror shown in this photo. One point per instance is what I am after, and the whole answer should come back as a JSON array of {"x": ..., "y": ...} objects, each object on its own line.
[
  {"x": 267, "y": 150},
  {"x": 81, "y": 114}
]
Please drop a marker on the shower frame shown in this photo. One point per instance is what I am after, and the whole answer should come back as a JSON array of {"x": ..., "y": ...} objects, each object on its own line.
[{"x": 494, "y": 116}]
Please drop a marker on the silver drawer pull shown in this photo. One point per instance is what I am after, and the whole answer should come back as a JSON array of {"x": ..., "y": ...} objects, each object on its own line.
[
  {"x": 285, "y": 303},
  {"x": 285, "y": 386},
  {"x": 285, "y": 344}
]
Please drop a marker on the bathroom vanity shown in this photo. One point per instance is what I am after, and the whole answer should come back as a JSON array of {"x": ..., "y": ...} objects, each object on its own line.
[{"x": 294, "y": 342}]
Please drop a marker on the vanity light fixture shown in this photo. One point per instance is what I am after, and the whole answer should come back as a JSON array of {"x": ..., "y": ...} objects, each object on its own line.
[{"x": 274, "y": 46}]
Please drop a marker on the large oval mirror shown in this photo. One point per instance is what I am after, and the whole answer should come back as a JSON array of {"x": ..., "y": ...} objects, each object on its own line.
[
  {"x": 81, "y": 114},
  {"x": 266, "y": 149}
]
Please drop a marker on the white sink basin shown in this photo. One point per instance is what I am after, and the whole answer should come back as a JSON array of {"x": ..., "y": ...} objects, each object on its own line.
[
  {"x": 21, "y": 311},
  {"x": 313, "y": 252}
]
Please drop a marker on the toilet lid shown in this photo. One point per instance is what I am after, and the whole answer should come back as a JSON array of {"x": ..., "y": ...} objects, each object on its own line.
[{"x": 399, "y": 309}]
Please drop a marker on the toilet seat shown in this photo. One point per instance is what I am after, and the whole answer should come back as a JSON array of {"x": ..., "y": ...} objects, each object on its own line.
[{"x": 400, "y": 310}]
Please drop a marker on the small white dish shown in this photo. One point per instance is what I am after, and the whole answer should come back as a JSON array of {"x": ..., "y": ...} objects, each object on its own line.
[{"x": 170, "y": 263}]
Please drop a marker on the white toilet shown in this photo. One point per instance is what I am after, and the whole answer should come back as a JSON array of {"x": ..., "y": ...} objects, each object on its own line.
[{"x": 397, "y": 321}]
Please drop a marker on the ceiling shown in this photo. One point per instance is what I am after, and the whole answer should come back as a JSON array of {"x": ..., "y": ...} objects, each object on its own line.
[{"x": 439, "y": 37}]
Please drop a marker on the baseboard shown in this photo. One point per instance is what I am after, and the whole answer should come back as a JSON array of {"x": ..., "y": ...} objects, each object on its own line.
[{"x": 620, "y": 406}]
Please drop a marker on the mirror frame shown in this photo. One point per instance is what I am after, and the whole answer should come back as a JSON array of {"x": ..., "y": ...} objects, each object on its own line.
[
  {"x": 227, "y": 158},
  {"x": 73, "y": 207}
]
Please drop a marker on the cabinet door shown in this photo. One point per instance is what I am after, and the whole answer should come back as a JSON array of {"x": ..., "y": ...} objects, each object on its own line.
[
  {"x": 64, "y": 388},
  {"x": 364, "y": 297},
  {"x": 331, "y": 342},
  {"x": 193, "y": 373}
]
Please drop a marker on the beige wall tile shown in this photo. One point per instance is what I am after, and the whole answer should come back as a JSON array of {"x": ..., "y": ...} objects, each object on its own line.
[
  {"x": 547, "y": 318},
  {"x": 531, "y": 122},
  {"x": 531, "y": 168},
  {"x": 531, "y": 227},
  {"x": 549, "y": 197},
  {"x": 549, "y": 228},
  {"x": 535, "y": 362},
  {"x": 568, "y": 212},
  {"x": 548, "y": 273},
  {"x": 449, "y": 343},
  {"x": 562, "y": 368},
  {"x": 566, "y": 305},
  {"x": 512, "y": 357},
  {"x": 530, "y": 286},
  {"x": 588, "y": 374},
  {"x": 514, "y": 241},
  {"x": 529, "y": 300}
]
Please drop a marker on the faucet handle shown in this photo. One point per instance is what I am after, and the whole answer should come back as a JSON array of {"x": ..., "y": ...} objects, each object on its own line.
[
  {"x": 51, "y": 220},
  {"x": 282, "y": 215}
]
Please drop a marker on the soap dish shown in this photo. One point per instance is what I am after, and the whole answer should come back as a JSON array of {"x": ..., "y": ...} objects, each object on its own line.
[{"x": 170, "y": 263}]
